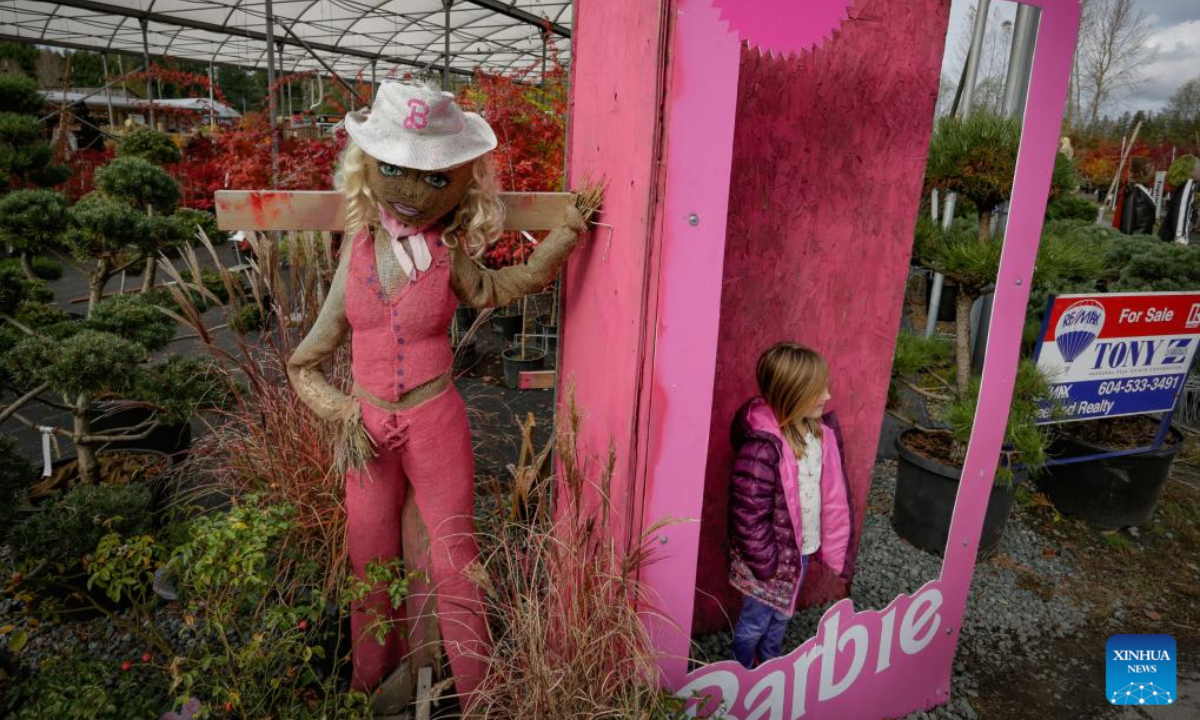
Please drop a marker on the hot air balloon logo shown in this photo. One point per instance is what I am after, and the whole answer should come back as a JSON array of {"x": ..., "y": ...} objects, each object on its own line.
[{"x": 1078, "y": 327}]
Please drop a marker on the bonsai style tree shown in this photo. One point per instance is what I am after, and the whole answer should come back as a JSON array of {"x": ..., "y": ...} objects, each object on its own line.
[
  {"x": 102, "y": 357},
  {"x": 151, "y": 190},
  {"x": 25, "y": 156},
  {"x": 976, "y": 158},
  {"x": 150, "y": 145},
  {"x": 33, "y": 222},
  {"x": 103, "y": 231}
]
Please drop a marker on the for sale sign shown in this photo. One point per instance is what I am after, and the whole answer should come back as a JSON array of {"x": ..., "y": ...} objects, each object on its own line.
[{"x": 1118, "y": 354}]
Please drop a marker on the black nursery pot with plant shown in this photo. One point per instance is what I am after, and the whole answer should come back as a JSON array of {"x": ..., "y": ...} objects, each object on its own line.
[
  {"x": 518, "y": 360},
  {"x": 1113, "y": 492},
  {"x": 925, "y": 494}
]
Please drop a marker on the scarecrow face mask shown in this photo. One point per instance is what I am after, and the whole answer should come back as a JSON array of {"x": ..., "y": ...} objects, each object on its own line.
[{"x": 417, "y": 198}]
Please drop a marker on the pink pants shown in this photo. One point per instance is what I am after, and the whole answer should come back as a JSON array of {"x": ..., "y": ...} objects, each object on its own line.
[{"x": 429, "y": 448}]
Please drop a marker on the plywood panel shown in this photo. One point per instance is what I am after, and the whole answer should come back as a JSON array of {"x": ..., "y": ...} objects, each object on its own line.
[{"x": 828, "y": 158}]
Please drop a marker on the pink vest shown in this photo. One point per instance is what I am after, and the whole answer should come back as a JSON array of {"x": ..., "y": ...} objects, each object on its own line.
[{"x": 399, "y": 341}]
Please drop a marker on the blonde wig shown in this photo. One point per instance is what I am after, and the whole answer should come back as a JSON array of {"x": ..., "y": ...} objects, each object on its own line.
[
  {"x": 478, "y": 219},
  {"x": 792, "y": 379}
]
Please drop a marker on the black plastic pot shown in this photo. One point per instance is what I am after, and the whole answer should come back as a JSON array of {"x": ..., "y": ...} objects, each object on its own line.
[
  {"x": 174, "y": 440},
  {"x": 515, "y": 364},
  {"x": 465, "y": 317},
  {"x": 156, "y": 482},
  {"x": 925, "y": 494},
  {"x": 947, "y": 303},
  {"x": 1109, "y": 493},
  {"x": 507, "y": 326}
]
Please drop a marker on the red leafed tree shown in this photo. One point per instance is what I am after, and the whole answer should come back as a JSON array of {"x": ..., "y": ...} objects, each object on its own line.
[
  {"x": 530, "y": 123},
  {"x": 244, "y": 157}
]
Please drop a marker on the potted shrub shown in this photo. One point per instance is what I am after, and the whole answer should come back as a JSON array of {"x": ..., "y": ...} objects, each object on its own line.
[
  {"x": 930, "y": 457},
  {"x": 103, "y": 358}
]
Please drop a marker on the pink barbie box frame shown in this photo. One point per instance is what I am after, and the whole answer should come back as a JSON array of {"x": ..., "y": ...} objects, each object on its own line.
[{"x": 861, "y": 664}]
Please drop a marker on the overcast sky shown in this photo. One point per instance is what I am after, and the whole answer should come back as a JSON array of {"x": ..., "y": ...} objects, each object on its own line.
[{"x": 1175, "y": 28}]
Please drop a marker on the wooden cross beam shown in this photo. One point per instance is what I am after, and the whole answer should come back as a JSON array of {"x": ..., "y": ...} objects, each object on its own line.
[{"x": 323, "y": 210}]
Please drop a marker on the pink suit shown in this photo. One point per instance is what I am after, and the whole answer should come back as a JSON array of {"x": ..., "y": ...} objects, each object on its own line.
[{"x": 398, "y": 343}]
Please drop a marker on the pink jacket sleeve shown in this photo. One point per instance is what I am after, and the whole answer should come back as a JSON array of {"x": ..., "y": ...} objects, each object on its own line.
[{"x": 837, "y": 516}]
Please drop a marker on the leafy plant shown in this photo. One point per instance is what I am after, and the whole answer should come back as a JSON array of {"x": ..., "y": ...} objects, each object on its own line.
[
  {"x": 262, "y": 603},
  {"x": 75, "y": 686}
]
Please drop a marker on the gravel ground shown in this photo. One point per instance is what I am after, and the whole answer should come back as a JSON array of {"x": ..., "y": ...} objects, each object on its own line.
[{"x": 1002, "y": 615}]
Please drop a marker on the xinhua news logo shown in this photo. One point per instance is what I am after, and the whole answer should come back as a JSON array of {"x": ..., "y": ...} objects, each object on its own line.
[{"x": 1140, "y": 670}]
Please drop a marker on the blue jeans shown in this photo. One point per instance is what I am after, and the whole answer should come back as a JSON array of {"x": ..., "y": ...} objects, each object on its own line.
[{"x": 758, "y": 635}]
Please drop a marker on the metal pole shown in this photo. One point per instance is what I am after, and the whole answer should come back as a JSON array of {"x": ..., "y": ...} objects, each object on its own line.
[
  {"x": 1016, "y": 88},
  {"x": 108, "y": 92},
  {"x": 446, "y": 47},
  {"x": 374, "y": 85},
  {"x": 212, "y": 107},
  {"x": 545, "y": 42},
  {"x": 271, "y": 106},
  {"x": 963, "y": 109},
  {"x": 1020, "y": 60},
  {"x": 146, "y": 63},
  {"x": 977, "y": 35}
]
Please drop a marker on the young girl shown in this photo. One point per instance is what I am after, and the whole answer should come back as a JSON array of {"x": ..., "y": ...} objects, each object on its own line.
[{"x": 789, "y": 499}]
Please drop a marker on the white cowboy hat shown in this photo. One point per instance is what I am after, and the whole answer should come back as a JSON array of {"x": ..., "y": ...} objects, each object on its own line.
[{"x": 419, "y": 127}]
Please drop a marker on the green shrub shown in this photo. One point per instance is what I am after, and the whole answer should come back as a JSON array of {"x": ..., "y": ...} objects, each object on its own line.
[
  {"x": 134, "y": 319},
  {"x": 69, "y": 530},
  {"x": 89, "y": 362},
  {"x": 266, "y": 606},
  {"x": 150, "y": 145},
  {"x": 247, "y": 319},
  {"x": 181, "y": 386},
  {"x": 1072, "y": 207},
  {"x": 16, "y": 475},
  {"x": 139, "y": 183},
  {"x": 190, "y": 219}
]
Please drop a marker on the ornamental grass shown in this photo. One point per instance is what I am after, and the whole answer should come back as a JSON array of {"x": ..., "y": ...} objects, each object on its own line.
[
  {"x": 564, "y": 603},
  {"x": 267, "y": 442}
]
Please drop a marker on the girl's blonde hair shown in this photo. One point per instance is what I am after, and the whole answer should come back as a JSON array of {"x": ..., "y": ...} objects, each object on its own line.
[
  {"x": 479, "y": 218},
  {"x": 792, "y": 378}
]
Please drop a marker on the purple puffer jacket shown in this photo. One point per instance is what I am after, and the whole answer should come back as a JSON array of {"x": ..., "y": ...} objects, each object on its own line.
[{"x": 764, "y": 508}]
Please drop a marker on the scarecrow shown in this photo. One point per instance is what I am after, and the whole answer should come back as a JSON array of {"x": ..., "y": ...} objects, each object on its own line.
[{"x": 421, "y": 206}]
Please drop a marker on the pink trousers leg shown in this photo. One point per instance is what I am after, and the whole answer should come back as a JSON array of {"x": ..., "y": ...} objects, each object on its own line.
[
  {"x": 440, "y": 468},
  {"x": 374, "y": 500}
]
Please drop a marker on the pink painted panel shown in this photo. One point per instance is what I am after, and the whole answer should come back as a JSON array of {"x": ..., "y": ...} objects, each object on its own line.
[
  {"x": 614, "y": 132},
  {"x": 701, "y": 104},
  {"x": 828, "y": 161},
  {"x": 879, "y": 664}
]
